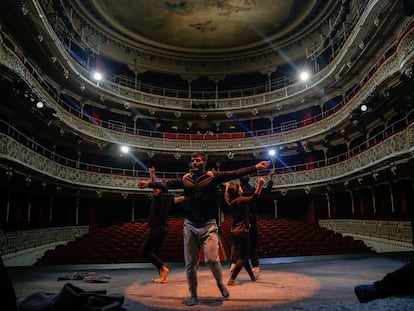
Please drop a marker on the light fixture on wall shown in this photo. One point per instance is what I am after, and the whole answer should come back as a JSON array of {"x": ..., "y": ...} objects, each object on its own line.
[
  {"x": 307, "y": 189},
  {"x": 375, "y": 176},
  {"x": 393, "y": 169}
]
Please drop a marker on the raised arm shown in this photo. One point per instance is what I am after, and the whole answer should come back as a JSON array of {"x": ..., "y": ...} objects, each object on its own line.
[
  {"x": 260, "y": 183},
  {"x": 153, "y": 180},
  {"x": 226, "y": 194}
]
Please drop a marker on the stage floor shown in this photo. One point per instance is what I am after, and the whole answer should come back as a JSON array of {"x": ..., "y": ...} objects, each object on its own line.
[{"x": 296, "y": 283}]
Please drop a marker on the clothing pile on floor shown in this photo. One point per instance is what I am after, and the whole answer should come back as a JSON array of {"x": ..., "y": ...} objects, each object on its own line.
[
  {"x": 89, "y": 277},
  {"x": 72, "y": 298}
]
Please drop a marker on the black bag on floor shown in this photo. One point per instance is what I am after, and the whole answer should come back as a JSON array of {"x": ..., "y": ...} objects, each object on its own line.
[{"x": 72, "y": 298}]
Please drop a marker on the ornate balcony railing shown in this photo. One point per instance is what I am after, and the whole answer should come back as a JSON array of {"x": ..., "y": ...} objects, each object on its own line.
[{"x": 16, "y": 147}]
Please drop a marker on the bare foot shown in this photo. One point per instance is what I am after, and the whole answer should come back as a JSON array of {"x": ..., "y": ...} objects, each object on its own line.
[{"x": 163, "y": 275}]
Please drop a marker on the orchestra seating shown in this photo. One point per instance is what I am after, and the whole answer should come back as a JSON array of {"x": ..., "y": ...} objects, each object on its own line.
[{"x": 277, "y": 238}]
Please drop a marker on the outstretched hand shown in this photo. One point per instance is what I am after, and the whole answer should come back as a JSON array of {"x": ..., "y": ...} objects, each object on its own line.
[
  {"x": 142, "y": 184},
  {"x": 263, "y": 165}
]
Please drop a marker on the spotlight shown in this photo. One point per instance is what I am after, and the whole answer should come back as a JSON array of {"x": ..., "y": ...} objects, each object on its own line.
[
  {"x": 66, "y": 74},
  {"x": 307, "y": 189},
  {"x": 360, "y": 180},
  {"x": 304, "y": 76},
  {"x": 82, "y": 87},
  {"x": 229, "y": 114},
  {"x": 375, "y": 176},
  {"x": 39, "y": 105},
  {"x": 361, "y": 45},
  {"x": 230, "y": 155},
  {"x": 272, "y": 152},
  {"x": 97, "y": 76},
  {"x": 364, "y": 107},
  {"x": 124, "y": 149}
]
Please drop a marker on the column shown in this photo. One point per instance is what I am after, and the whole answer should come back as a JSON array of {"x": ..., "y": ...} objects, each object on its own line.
[
  {"x": 328, "y": 201},
  {"x": 275, "y": 206}
]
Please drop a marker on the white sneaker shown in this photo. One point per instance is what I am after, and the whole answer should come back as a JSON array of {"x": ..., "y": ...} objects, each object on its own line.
[{"x": 233, "y": 265}]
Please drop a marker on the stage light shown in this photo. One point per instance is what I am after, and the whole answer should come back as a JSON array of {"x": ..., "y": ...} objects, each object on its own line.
[
  {"x": 39, "y": 105},
  {"x": 97, "y": 76},
  {"x": 124, "y": 149},
  {"x": 272, "y": 152},
  {"x": 304, "y": 76},
  {"x": 364, "y": 107}
]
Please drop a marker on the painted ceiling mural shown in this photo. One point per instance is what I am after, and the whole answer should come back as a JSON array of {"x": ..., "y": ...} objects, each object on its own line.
[{"x": 203, "y": 24}]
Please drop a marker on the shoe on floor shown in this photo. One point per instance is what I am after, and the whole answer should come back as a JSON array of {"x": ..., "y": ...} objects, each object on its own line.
[
  {"x": 366, "y": 293},
  {"x": 192, "y": 301}
]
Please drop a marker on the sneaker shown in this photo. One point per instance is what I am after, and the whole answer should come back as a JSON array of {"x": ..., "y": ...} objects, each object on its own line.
[
  {"x": 224, "y": 292},
  {"x": 192, "y": 301},
  {"x": 233, "y": 265},
  {"x": 366, "y": 293}
]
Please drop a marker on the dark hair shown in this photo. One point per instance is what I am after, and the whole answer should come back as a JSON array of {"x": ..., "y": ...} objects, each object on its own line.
[
  {"x": 201, "y": 154},
  {"x": 244, "y": 179},
  {"x": 233, "y": 190}
]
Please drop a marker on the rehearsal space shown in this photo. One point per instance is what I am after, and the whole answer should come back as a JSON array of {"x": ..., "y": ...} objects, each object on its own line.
[{"x": 285, "y": 283}]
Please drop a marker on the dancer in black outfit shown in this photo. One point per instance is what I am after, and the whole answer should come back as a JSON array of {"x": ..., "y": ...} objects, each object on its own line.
[
  {"x": 158, "y": 224},
  {"x": 240, "y": 226},
  {"x": 248, "y": 190}
]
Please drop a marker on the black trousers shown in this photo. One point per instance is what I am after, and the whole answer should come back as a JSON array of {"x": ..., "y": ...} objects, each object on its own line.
[{"x": 152, "y": 245}]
